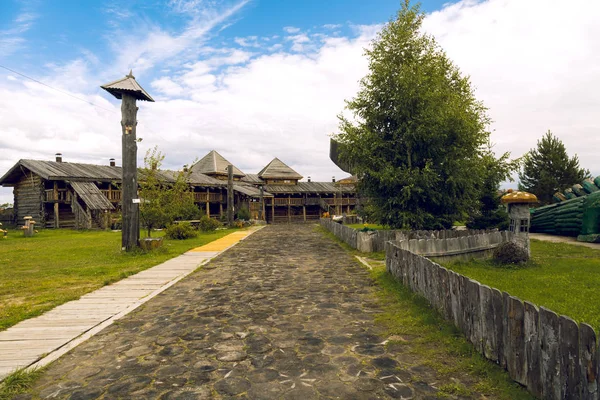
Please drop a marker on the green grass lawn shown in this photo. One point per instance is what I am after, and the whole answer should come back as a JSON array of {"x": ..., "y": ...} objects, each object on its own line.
[
  {"x": 562, "y": 277},
  {"x": 370, "y": 226},
  {"x": 56, "y": 266}
]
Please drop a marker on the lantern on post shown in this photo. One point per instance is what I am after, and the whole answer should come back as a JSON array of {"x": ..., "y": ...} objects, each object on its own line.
[{"x": 128, "y": 90}]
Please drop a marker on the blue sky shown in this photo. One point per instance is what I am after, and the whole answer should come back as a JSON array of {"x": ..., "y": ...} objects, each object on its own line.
[{"x": 258, "y": 79}]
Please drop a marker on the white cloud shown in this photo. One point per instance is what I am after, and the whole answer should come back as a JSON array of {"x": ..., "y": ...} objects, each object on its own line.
[
  {"x": 534, "y": 64},
  {"x": 291, "y": 29},
  {"x": 11, "y": 39}
]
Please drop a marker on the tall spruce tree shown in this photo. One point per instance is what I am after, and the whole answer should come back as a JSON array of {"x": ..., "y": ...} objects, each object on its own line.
[
  {"x": 548, "y": 169},
  {"x": 417, "y": 132}
]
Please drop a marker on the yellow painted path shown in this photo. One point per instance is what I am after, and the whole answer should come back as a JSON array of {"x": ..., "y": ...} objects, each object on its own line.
[{"x": 225, "y": 242}]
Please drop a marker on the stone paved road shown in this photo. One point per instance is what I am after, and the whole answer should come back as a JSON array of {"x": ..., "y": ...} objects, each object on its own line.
[{"x": 286, "y": 314}]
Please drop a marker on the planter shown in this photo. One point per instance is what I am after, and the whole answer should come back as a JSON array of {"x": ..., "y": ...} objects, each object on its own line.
[{"x": 150, "y": 243}]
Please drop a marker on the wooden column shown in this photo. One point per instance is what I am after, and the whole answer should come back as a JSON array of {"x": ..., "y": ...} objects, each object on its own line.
[
  {"x": 289, "y": 215},
  {"x": 261, "y": 206},
  {"x": 56, "y": 210},
  {"x": 131, "y": 212},
  {"x": 304, "y": 211},
  {"x": 273, "y": 210},
  {"x": 230, "y": 195},
  {"x": 208, "y": 202}
]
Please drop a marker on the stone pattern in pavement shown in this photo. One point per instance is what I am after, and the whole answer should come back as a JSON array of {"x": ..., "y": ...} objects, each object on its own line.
[{"x": 286, "y": 314}]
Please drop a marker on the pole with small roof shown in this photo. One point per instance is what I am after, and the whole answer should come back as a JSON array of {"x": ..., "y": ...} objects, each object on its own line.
[{"x": 128, "y": 90}]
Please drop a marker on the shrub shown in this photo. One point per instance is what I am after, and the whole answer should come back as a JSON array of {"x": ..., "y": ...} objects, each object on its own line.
[
  {"x": 208, "y": 224},
  {"x": 181, "y": 231},
  {"x": 243, "y": 214},
  {"x": 510, "y": 253}
]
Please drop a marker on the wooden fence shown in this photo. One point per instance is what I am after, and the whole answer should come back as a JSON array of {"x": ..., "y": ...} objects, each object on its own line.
[{"x": 551, "y": 355}]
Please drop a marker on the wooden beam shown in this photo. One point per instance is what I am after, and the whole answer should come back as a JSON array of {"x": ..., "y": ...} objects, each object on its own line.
[
  {"x": 208, "y": 202},
  {"x": 230, "y": 199},
  {"x": 56, "y": 211},
  {"x": 131, "y": 213}
]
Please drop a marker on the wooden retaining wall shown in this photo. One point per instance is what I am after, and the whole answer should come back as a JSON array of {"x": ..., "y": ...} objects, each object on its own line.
[{"x": 551, "y": 355}]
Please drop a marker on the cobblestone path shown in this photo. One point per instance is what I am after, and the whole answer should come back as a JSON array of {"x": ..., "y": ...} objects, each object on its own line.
[{"x": 286, "y": 314}]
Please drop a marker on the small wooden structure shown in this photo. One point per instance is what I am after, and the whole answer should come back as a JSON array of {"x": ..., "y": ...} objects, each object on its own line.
[
  {"x": 128, "y": 90},
  {"x": 518, "y": 211}
]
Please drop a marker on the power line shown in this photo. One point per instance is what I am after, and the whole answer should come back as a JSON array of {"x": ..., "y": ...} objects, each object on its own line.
[
  {"x": 53, "y": 88},
  {"x": 75, "y": 97}
]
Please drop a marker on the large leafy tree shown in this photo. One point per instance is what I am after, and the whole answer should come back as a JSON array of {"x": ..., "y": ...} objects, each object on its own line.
[
  {"x": 548, "y": 169},
  {"x": 416, "y": 133}
]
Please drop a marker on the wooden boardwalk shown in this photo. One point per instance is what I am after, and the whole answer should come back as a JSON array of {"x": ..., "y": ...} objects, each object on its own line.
[{"x": 38, "y": 341}]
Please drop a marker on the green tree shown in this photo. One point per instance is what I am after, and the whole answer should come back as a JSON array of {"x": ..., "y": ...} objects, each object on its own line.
[
  {"x": 548, "y": 169},
  {"x": 417, "y": 132},
  {"x": 491, "y": 213},
  {"x": 164, "y": 197}
]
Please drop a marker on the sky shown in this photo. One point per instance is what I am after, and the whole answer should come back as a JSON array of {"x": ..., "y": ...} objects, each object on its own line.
[{"x": 258, "y": 79}]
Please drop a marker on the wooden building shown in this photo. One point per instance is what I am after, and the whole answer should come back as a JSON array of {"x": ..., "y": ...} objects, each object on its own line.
[{"x": 60, "y": 194}]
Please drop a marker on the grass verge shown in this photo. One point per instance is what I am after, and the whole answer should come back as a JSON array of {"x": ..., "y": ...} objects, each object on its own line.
[
  {"x": 553, "y": 267},
  {"x": 422, "y": 333},
  {"x": 18, "y": 382},
  {"x": 370, "y": 226},
  {"x": 57, "y": 266}
]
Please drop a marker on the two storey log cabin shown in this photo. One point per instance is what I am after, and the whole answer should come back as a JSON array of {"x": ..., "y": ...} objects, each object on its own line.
[{"x": 60, "y": 194}]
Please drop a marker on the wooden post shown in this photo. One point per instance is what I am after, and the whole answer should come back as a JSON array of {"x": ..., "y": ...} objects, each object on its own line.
[
  {"x": 304, "y": 212},
  {"x": 56, "y": 209},
  {"x": 208, "y": 202},
  {"x": 273, "y": 210},
  {"x": 261, "y": 205},
  {"x": 221, "y": 210},
  {"x": 131, "y": 212},
  {"x": 288, "y": 211},
  {"x": 230, "y": 195}
]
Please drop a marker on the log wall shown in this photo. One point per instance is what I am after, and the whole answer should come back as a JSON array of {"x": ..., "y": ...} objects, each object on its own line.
[{"x": 29, "y": 192}]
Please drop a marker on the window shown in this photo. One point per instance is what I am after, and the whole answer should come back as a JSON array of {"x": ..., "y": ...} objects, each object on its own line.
[{"x": 524, "y": 225}]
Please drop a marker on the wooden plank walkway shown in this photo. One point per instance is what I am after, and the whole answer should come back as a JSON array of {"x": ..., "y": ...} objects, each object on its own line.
[{"x": 38, "y": 341}]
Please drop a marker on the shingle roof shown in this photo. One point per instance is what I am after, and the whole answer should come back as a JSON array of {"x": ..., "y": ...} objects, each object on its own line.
[
  {"x": 250, "y": 190},
  {"x": 277, "y": 169},
  {"x": 53, "y": 171},
  {"x": 252, "y": 178},
  {"x": 92, "y": 196},
  {"x": 128, "y": 85},
  {"x": 214, "y": 163}
]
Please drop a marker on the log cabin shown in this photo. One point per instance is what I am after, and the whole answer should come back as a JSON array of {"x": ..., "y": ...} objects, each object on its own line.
[{"x": 60, "y": 194}]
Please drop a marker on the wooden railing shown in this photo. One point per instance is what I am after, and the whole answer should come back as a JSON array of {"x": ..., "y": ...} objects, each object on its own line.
[
  {"x": 62, "y": 196},
  {"x": 343, "y": 201},
  {"x": 114, "y": 196},
  {"x": 200, "y": 197}
]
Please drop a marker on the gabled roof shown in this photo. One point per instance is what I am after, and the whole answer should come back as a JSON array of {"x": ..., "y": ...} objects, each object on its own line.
[
  {"x": 127, "y": 85},
  {"x": 215, "y": 164},
  {"x": 252, "y": 178},
  {"x": 277, "y": 169}
]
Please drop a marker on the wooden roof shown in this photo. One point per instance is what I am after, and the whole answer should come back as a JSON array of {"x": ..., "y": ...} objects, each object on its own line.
[
  {"x": 78, "y": 172},
  {"x": 215, "y": 164},
  {"x": 250, "y": 190},
  {"x": 92, "y": 196},
  {"x": 252, "y": 178},
  {"x": 310, "y": 187},
  {"x": 127, "y": 85},
  {"x": 277, "y": 169}
]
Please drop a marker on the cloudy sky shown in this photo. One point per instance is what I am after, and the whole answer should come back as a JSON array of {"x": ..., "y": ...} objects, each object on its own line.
[{"x": 257, "y": 79}]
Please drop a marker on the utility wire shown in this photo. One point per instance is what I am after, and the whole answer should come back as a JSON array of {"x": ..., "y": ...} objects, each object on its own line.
[
  {"x": 53, "y": 88},
  {"x": 75, "y": 97}
]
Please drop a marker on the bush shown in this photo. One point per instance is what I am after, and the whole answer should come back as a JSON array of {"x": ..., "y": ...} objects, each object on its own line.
[
  {"x": 510, "y": 253},
  {"x": 208, "y": 224},
  {"x": 243, "y": 214},
  {"x": 496, "y": 219},
  {"x": 181, "y": 231}
]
